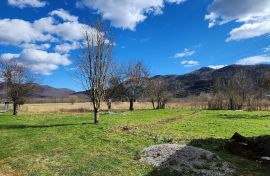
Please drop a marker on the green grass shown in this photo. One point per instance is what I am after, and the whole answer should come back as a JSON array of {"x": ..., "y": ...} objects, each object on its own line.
[{"x": 70, "y": 144}]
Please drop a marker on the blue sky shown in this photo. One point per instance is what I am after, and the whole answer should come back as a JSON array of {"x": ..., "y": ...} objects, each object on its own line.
[{"x": 169, "y": 36}]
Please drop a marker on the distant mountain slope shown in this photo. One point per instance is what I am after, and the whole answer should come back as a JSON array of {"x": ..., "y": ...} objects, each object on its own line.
[
  {"x": 48, "y": 92},
  {"x": 45, "y": 92},
  {"x": 193, "y": 83},
  {"x": 202, "y": 80}
]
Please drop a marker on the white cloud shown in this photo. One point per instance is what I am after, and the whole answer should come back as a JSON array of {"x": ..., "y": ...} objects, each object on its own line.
[
  {"x": 37, "y": 56},
  {"x": 39, "y": 61},
  {"x": 267, "y": 49},
  {"x": 59, "y": 29},
  {"x": 175, "y": 1},
  {"x": 35, "y": 46},
  {"x": 189, "y": 63},
  {"x": 67, "y": 47},
  {"x": 47, "y": 29},
  {"x": 68, "y": 30},
  {"x": 185, "y": 53},
  {"x": 254, "y": 17},
  {"x": 10, "y": 33},
  {"x": 9, "y": 56},
  {"x": 64, "y": 15},
  {"x": 26, "y": 3},
  {"x": 126, "y": 14},
  {"x": 216, "y": 67},
  {"x": 261, "y": 59},
  {"x": 250, "y": 30}
]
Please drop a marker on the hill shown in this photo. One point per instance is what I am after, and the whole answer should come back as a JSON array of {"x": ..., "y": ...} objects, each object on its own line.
[
  {"x": 48, "y": 92},
  {"x": 45, "y": 92},
  {"x": 202, "y": 80},
  {"x": 193, "y": 83}
]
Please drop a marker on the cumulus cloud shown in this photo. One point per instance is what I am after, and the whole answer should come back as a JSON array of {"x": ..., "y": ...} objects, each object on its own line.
[
  {"x": 185, "y": 53},
  {"x": 43, "y": 46},
  {"x": 253, "y": 17},
  {"x": 216, "y": 67},
  {"x": 44, "y": 29},
  {"x": 260, "y": 59},
  {"x": 67, "y": 47},
  {"x": 70, "y": 29},
  {"x": 9, "y": 56},
  {"x": 10, "y": 33},
  {"x": 176, "y": 1},
  {"x": 64, "y": 15},
  {"x": 189, "y": 63},
  {"x": 250, "y": 30},
  {"x": 267, "y": 49},
  {"x": 126, "y": 14},
  {"x": 67, "y": 31},
  {"x": 60, "y": 32},
  {"x": 26, "y": 3},
  {"x": 39, "y": 61}
]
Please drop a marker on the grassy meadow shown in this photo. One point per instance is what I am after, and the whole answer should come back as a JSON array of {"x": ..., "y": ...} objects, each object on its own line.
[{"x": 70, "y": 144}]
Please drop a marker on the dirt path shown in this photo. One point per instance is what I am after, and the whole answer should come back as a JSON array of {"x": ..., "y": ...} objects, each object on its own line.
[{"x": 133, "y": 128}]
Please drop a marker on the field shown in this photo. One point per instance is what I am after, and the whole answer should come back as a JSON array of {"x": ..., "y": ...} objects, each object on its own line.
[
  {"x": 70, "y": 144},
  {"x": 86, "y": 106}
]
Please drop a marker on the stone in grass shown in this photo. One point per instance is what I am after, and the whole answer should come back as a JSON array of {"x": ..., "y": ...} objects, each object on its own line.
[{"x": 186, "y": 159}]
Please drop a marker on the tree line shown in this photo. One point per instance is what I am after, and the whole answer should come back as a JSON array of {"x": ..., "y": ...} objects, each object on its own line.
[
  {"x": 101, "y": 79},
  {"x": 106, "y": 81},
  {"x": 238, "y": 92}
]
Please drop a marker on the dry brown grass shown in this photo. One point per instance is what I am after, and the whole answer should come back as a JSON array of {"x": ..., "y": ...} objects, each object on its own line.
[{"x": 86, "y": 107}]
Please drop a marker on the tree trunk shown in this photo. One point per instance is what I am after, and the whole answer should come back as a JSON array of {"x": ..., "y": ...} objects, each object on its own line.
[
  {"x": 153, "y": 104},
  {"x": 15, "y": 108},
  {"x": 131, "y": 104},
  {"x": 109, "y": 104},
  {"x": 163, "y": 104},
  {"x": 158, "y": 103},
  {"x": 96, "y": 115},
  {"x": 231, "y": 104}
]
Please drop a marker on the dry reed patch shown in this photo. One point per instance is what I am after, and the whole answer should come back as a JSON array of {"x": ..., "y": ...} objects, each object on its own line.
[{"x": 87, "y": 106}]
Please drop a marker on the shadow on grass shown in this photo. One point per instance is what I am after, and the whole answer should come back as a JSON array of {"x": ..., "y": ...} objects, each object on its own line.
[
  {"x": 21, "y": 126},
  {"x": 242, "y": 165},
  {"x": 242, "y": 116},
  {"x": 164, "y": 172},
  {"x": 210, "y": 144}
]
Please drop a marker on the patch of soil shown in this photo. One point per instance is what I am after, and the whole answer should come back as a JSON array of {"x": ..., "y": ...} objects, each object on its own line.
[
  {"x": 133, "y": 128},
  {"x": 186, "y": 160}
]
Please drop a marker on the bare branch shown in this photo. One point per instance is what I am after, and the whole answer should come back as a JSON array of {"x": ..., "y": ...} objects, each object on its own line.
[{"x": 93, "y": 66}]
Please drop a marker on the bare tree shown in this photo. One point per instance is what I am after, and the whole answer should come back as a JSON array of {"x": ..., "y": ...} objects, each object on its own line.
[
  {"x": 151, "y": 92},
  {"x": 18, "y": 82},
  {"x": 219, "y": 97},
  {"x": 116, "y": 89},
  {"x": 94, "y": 64},
  {"x": 73, "y": 99},
  {"x": 127, "y": 83},
  {"x": 236, "y": 91},
  {"x": 136, "y": 77},
  {"x": 156, "y": 90}
]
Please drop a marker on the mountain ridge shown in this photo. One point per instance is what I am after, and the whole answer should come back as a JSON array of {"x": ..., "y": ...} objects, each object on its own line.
[
  {"x": 189, "y": 84},
  {"x": 202, "y": 80}
]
